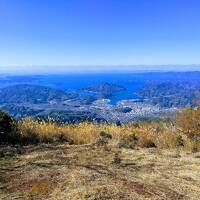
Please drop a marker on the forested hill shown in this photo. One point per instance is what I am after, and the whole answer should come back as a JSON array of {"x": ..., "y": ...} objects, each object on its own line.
[
  {"x": 32, "y": 94},
  {"x": 171, "y": 93},
  {"x": 105, "y": 88}
]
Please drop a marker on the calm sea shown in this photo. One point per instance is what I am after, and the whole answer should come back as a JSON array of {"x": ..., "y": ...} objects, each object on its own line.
[{"x": 75, "y": 82}]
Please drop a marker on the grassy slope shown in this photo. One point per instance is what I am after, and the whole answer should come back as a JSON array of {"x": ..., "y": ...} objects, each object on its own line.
[{"x": 105, "y": 172}]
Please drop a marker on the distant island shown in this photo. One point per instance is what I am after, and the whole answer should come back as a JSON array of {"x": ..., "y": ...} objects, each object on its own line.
[{"x": 104, "y": 90}]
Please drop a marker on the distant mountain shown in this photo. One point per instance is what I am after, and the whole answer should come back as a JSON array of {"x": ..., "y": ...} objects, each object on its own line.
[
  {"x": 32, "y": 94},
  {"x": 171, "y": 93}
]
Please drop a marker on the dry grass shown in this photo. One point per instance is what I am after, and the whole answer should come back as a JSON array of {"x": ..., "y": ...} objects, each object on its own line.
[
  {"x": 149, "y": 134},
  {"x": 189, "y": 122},
  {"x": 87, "y": 172},
  {"x": 106, "y": 161}
]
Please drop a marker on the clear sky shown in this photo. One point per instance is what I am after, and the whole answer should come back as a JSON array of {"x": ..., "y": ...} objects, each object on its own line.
[{"x": 99, "y": 32}]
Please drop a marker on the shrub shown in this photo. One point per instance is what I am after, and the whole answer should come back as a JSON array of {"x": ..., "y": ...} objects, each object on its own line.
[
  {"x": 8, "y": 129},
  {"x": 148, "y": 143},
  {"x": 169, "y": 139},
  {"x": 179, "y": 141},
  {"x": 146, "y": 136},
  {"x": 128, "y": 141},
  {"x": 189, "y": 123},
  {"x": 103, "y": 138}
]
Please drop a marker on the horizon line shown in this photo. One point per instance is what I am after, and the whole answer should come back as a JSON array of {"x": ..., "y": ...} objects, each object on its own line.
[
  {"x": 81, "y": 69},
  {"x": 65, "y": 65}
]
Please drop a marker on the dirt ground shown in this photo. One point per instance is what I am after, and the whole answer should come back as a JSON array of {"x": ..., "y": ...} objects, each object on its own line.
[{"x": 97, "y": 173}]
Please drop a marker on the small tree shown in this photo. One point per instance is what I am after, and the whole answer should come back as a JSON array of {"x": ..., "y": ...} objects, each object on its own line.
[{"x": 8, "y": 129}]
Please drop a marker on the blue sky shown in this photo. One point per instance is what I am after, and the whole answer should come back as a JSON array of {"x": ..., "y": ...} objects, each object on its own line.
[{"x": 99, "y": 32}]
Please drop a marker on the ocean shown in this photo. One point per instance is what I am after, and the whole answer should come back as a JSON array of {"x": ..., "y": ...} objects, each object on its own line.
[{"x": 133, "y": 82}]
